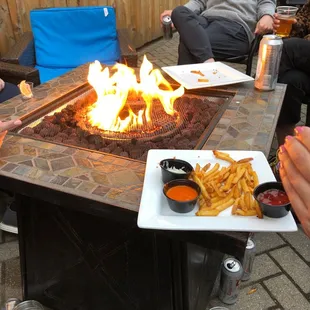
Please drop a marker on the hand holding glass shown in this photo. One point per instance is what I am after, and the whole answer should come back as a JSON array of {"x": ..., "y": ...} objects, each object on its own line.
[{"x": 286, "y": 16}]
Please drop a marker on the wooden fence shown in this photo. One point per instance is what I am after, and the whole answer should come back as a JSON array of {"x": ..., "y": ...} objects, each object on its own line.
[{"x": 141, "y": 17}]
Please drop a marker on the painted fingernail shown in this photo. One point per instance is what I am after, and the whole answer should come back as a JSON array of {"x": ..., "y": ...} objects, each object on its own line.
[
  {"x": 298, "y": 130},
  {"x": 282, "y": 149},
  {"x": 288, "y": 138}
]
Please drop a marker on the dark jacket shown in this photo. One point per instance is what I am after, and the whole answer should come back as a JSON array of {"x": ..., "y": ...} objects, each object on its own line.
[{"x": 302, "y": 28}]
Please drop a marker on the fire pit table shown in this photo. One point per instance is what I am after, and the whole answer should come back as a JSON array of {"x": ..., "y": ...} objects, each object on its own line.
[{"x": 78, "y": 191}]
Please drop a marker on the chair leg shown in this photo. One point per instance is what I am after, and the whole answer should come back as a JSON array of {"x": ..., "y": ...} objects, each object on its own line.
[{"x": 253, "y": 49}]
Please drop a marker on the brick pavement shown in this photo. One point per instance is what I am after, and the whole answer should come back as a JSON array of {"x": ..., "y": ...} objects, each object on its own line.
[{"x": 282, "y": 266}]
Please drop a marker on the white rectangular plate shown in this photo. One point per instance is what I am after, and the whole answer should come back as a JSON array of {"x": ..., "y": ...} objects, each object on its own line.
[
  {"x": 217, "y": 73},
  {"x": 155, "y": 213}
]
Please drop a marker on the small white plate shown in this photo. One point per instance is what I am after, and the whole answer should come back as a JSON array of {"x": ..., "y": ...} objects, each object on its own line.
[
  {"x": 154, "y": 212},
  {"x": 217, "y": 73}
]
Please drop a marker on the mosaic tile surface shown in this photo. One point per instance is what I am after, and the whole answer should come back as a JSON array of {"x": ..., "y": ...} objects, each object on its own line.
[
  {"x": 247, "y": 124},
  {"x": 250, "y": 120},
  {"x": 97, "y": 176}
]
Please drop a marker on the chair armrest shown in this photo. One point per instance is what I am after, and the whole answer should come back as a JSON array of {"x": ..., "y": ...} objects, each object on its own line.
[
  {"x": 22, "y": 53},
  {"x": 129, "y": 55},
  {"x": 13, "y": 73}
]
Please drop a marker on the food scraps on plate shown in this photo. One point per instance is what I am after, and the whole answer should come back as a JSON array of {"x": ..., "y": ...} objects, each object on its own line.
[{"x": 203, "y": 80}]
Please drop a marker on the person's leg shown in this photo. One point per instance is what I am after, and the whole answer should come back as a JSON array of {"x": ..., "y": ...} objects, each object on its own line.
[
  {"x": 228, "y": 39},
  {"x": 298, "y": 86},
  {"x": 194, "y": 43},
  {"x": 185, "y": 56},
  {"x": 295, "y": 55},
  {"x": 9, "y": 91}
]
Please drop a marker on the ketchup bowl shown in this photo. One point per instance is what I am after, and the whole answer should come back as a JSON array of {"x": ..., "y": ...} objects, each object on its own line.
[
  {"x": 272, "y": 199},
  {"x": 182, "y": 195}
]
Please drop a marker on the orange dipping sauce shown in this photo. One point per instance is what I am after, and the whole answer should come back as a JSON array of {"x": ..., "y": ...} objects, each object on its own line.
[{"x": 182, "y": 193}]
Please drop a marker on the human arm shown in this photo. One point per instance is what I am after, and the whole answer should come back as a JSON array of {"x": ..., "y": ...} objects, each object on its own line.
[
  {"x": 295, "y": 173},
  {"x": 265, "y": 12},
  {"x": 2, "y": 84},
  {"x": 197, "y": 6},
  {"x": 5, "y": 126}
]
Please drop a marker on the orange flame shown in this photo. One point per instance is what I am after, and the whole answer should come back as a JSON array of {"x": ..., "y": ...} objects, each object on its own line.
[{"x": 113, "y": 91}]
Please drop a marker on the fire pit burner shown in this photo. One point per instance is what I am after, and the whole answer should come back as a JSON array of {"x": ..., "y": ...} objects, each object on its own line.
[
  {"x": 183, "y": 130},
  {"x": 162, "y": 123}
]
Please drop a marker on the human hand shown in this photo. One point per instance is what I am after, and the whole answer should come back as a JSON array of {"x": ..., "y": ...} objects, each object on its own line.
[
  {"x": 264, "y": 25},
  {"x": 2, "y": 84},
  {"x": 295, "y": 173},
  {"x": 166, "y": 12},
  {"x": 5, "y": 126},
  {"x": 276, "y": 22}
]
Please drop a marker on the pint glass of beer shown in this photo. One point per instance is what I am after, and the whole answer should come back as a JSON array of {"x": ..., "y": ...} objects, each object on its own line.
[{"x": 286, "y": 15}]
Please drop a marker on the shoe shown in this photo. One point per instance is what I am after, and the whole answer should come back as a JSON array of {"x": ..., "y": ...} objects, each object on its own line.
[{"x": 9, "y": 221}]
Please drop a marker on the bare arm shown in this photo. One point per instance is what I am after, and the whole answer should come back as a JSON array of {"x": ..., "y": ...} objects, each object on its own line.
[{"x": 197, "y": 6}]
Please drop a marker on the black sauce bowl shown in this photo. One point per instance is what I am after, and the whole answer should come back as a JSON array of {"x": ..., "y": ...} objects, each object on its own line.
[
  {"x": 269, "y": 210},
  {"x": 168, "y": 176},
  {"x": 182, "y": 206}
]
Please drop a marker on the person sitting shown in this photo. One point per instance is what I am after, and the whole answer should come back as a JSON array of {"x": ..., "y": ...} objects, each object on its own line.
[
  {"x": 8, "y": 91},
  {"x": 294, "y": 158},
  {"x": 219, "y": 29},
  {"x": 294, "y": 71}
]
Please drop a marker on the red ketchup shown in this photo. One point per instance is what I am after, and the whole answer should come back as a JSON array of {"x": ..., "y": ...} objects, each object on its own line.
[{"x": 273, "y": 197}]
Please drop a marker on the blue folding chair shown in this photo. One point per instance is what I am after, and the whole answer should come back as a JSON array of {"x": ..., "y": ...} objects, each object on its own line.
[{"x": 65, "y": 38}]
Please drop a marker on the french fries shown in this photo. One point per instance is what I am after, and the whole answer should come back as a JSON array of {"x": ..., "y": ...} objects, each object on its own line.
[
  {"x": 223, "y": 187},
  {"x": 224, "y": 156},
  {"x": 197, "y": 72},
  {"x": 203, "y": 80}
]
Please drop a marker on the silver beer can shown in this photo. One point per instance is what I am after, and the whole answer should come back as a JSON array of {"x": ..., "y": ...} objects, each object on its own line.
[
  {"x": 167, "y": 27},
  {"x": 269, "y": 57},
  {"x": 248, "y": 260},
  {"x": 11, "y": 303},
  {"x": 231, "y": 275},
  {"x": 29, "y": 305}
]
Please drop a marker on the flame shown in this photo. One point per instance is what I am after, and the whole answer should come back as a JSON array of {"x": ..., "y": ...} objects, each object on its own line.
[{"x": 113, "y": 90}]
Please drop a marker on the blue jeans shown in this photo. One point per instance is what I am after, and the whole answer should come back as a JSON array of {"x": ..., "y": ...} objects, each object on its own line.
[{"x": 9, "y": 91}]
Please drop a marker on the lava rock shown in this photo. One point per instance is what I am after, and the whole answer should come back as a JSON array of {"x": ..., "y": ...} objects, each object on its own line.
[
  {"x": 95, "y": 139},
  {"x": 124, "y": 154},
  {"x": 186, "y": 100},
  {"x": 143, "y": 157},
  {"x": 186, "y": 133},
  {"x": 106, "y": 150},
  {"x": 44, "y": 132},
  {"x": 117, "y": 151},
  {"x": 135, "y": 153},
  {"x": 28, "y": 131}
]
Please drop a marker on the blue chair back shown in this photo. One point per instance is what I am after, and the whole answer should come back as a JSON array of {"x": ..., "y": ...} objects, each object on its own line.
[{"x": 65, "y": 38}]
